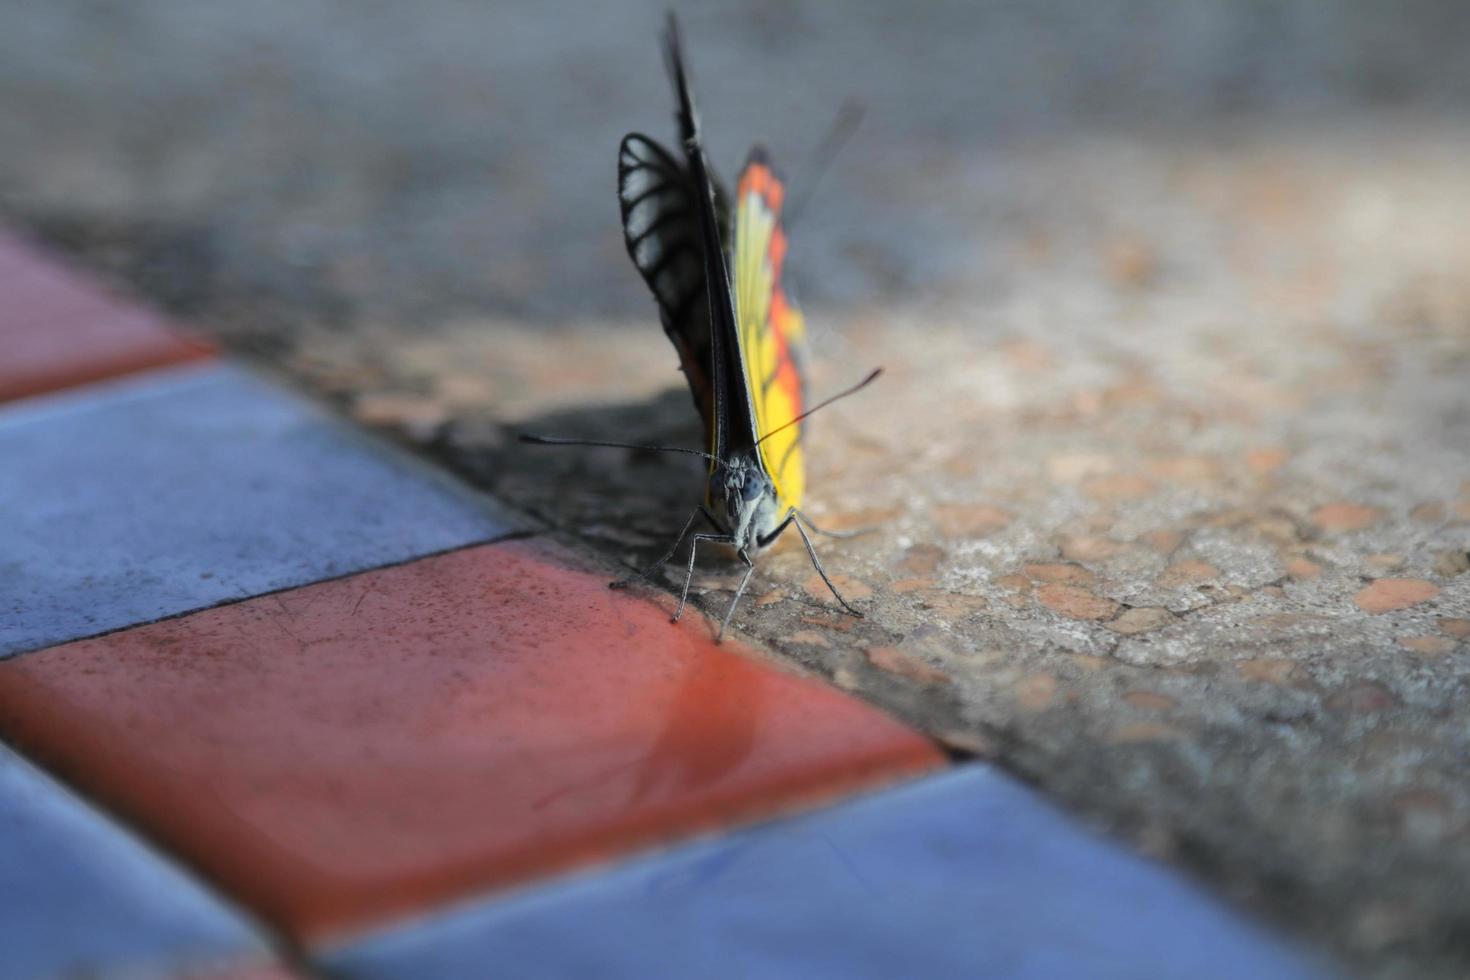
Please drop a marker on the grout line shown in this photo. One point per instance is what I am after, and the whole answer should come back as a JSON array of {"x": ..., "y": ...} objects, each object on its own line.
[
  {"x": 375, "y": 442},
  {"x": 481, "y": 543},
  {"x": 793, "y": 809},
  {"x": 60, "y": 402}
]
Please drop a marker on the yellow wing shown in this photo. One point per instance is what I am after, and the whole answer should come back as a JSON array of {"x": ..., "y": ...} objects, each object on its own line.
[{"x": 772, "y": 331}]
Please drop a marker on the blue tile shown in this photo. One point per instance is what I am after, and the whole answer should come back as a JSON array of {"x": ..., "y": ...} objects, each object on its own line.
[
  {"x": 131, "y": 501},
  {"x": 82, "y": 898},
  {"x": 964, "y": 875}
]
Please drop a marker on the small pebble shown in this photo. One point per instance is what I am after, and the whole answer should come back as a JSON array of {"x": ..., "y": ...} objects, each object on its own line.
[
  {"x": 852, "y": 589},
  {"x": 1063, "y": 572},
  {"x": 1345, "y": 516},
  {"x": 894, "y": 661},
  {"x": 1458, "y": 628},
  {"x": 855, "y": 520},
  {"x": 1384, "y": 562},
  {"x": 969, "y": 520},
  {"x": 1267, "y": 459},
  {"x": 1430, "y": 512},
  {"x": 1072, "y": 467},
  {"x": 1302, "y": 570},
  {"x": 1082, "y": 547},
  {"x": 1164, "y": 542},
  {"x": 1430, "y": 646},
  {"x": 1271, "y": 670},
  {"x": 1121, "y": 486},
  {"x": 1185, "y": 573},
  {"x": 1140, "y": 620},
  {"x": 1150, "y": 700},
  {"x": 1362, "y": 698},
  {"x": 922, "y": 559},
  {"x": 1388, "y": 594},
  {"x": 953, "y": 605},
  {"x": 1034, "y": 692},
  {"x": 1075, "y": 603},
  {"x": 417, "y": 417},
  {"x": 1448, "y": 564},
  {"x": 972, "y": 743},
  {"x": 1130, "y": 261}
]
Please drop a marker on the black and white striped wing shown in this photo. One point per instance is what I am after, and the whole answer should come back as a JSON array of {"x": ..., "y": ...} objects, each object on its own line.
[{"x": 661, "y": 230}]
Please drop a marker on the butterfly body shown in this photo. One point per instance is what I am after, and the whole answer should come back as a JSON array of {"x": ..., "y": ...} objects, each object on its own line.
[
  {"x": 743, "y": 500},
  {"x": 715, "y": 266}
]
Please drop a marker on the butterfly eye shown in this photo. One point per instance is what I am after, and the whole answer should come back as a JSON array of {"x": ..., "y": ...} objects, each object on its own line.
[{"x": 752, "y": 490}]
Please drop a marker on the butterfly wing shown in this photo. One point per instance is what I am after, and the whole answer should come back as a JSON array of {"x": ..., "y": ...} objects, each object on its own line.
[
  {"x": 733, "y": 426},
  {"x": 662, "y": 232},
  {"x": 664, "y": 207},
  {"x": 772, "y": 332}
]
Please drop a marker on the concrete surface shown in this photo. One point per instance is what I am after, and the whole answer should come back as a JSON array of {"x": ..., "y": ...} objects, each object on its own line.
[{"x": 1172, "y": 456}]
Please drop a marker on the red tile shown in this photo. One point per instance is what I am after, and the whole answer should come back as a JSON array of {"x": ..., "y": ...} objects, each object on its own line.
[
  {"x": 57, "y": 329},
  {"x": 360, "y": 748}
]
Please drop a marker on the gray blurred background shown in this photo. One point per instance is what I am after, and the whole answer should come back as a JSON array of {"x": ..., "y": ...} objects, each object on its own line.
[{"x": 377, "y": 158}]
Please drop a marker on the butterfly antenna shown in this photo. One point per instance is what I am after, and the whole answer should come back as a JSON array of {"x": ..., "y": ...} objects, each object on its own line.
[
  {"x": 716, "y": 276},
  {"x": 554, "y": 441},
  {"x": 674, "y": 61},
  {"x": 844, "y": 124},
  {"x": 872, "y": 376}
]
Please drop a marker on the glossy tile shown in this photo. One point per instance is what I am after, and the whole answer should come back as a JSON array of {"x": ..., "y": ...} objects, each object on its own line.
[
  {"x": 180, "y": 489},
  {"x": 258, "y": 968},
  {"x": 363, "y": 748},
  {"x": 961, "y": 875},
  {"x": 80, "y": 897},
  {"x": 58, "y": 329}
]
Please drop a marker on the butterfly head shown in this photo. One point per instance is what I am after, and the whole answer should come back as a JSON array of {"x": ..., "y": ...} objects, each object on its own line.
[{"x": 742, "y": 490}]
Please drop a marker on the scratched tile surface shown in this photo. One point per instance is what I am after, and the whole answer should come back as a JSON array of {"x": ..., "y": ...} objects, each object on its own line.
[
  {"x": 961, "y": 875},
  {"x": 359, "y": 749}
]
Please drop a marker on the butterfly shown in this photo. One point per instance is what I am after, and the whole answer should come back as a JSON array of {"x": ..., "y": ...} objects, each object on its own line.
[{"x": 715, "y": 267}]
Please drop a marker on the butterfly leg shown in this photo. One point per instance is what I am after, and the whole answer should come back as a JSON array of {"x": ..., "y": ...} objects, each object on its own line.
[
  {"x": 693, "y": 548},
  {"x": 832, "y": 534},
  {"x": 623, "y": 583},
  {"x": 744, "y": 581},
  {"x": 817, "y": 564},
  {"x": 794, "y": 517}
]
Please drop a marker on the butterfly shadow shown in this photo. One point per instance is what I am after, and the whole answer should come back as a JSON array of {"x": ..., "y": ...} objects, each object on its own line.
[
  {"x": 628, "y": 503},
  {"x": 633, "y": 500}
]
